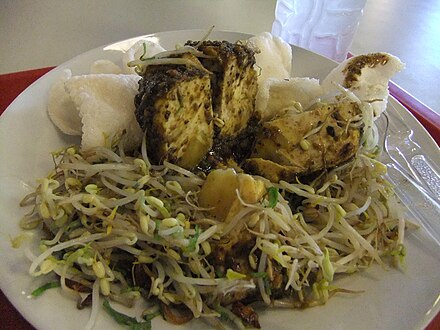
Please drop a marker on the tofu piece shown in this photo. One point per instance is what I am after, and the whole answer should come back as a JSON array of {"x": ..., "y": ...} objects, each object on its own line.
[
  {"x": 174, "y": 107},
  {"x": 271, "y": 170},
  {"x": 234, "y": 85},
  {"x": 285, "y": 148}
]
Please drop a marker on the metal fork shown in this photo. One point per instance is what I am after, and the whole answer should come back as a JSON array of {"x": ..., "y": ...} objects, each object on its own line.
[{"x": 415, "y": 176}]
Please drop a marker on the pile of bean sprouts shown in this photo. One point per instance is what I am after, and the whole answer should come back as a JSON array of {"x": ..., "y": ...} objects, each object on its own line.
[{"x": 102, "y": 205}]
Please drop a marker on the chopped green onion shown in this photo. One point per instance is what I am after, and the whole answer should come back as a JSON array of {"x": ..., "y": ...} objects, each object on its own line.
[
  {"x": 259, "y": 275},
  {"x": 156, "y": 234},
  {"x": 193, "y": 240},
  {"x": 142, "y": 58},
  {"x": 272, "y": 193},
  {"x": 43, "y": 288},
  {"x": 267, "y": 285},
  {"x": 117, "y": 316},
  {"x": 141, "y": 326},
  {"x": 125, "y": 319},
  {"x": 219, "y": 273},
  {"x": 149, "y": 317}
]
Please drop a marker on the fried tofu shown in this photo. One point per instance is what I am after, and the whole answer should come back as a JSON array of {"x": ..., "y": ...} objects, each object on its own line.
[
  {"x": 186, "y": 110},
  {"x": 300, "y": 144},
  {"x": 174, "y": 107},
  {"x": 234, "y": 84}
]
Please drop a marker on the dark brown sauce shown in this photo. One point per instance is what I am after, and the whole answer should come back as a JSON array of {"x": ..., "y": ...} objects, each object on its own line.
[{"x": 354, "y": 68}]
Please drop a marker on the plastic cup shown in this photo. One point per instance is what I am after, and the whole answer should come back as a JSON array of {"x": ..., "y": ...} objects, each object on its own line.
[{"x": 326, "y": 27}]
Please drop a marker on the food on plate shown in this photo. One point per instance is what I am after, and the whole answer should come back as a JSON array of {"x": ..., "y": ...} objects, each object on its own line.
[
  {"x": 71, "y": 104},
  {"x": 273, "y": 57},
  {"x": 218, "y": 93},
  {"x": 233, "y": 82},
  {"x": 218, "y": 193},
  {"x": 174, "y": 107},
  {"x": 61, "y": 109},
  {"x": 224, "y": 205},
  {"x": 99, "y": 107},
  {"x": 298, "y": 144},
  {"x": 104, "y": 66},
  {"x": 367, "y": 76},
  {"x": 141, "y": 49},
  {"x": 276, "y": 96}
]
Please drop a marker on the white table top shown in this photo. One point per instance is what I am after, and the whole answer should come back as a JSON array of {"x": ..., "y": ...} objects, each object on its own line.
[{"x": 36, "y": 34}]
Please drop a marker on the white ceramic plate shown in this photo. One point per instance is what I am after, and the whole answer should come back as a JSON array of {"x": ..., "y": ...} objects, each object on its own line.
[{"x": 393, "y": 299}]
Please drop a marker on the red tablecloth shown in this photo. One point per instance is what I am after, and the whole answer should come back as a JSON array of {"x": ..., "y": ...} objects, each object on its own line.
[{"x": 12, "y": 84}]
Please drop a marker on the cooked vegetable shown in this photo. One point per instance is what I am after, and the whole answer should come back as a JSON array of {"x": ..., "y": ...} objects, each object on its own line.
[
  {"x": 44, "y": 288},
  {"x": 127, "y": 320},
  {"x": 273, "y": 196},
  {"x": 119, "y": 317},
  {"x": 150, "y": 224},
  {"x": 108, "y": 213}
]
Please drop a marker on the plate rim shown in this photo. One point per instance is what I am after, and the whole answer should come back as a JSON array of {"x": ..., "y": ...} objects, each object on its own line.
[{"x": 423, "y": 322}]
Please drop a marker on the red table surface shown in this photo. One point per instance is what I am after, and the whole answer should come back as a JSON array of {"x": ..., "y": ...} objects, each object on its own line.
[{"x": 12, "y": 84}]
